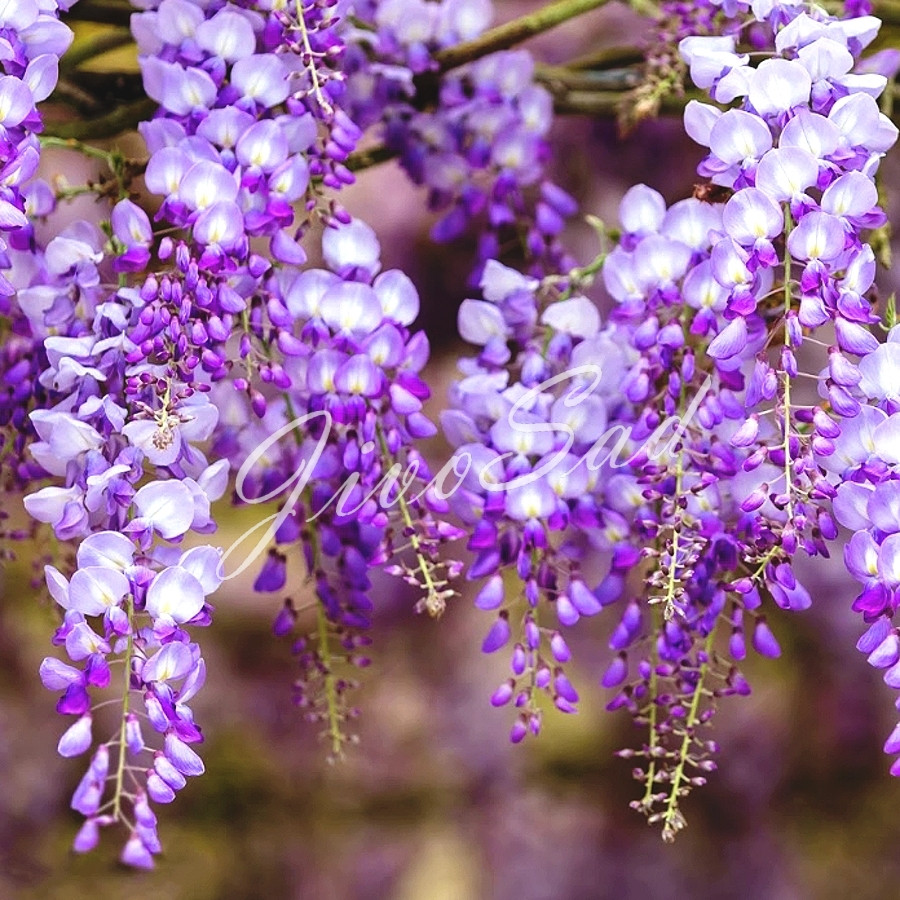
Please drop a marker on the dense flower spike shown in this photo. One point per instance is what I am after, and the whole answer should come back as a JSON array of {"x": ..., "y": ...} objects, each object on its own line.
[
  {"x": 231, "y": 151},
  {"x": 529, "y": 425},
  {"x": 788, "y": 258},
  {"x": 34, "y": 40},
  {"x": 702, "y": 289}
]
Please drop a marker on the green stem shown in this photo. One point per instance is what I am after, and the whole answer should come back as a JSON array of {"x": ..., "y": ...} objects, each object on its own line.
[
  {"x": 335, "y": 734},
  {"x": 788, "y": 298},
  {"x": 653, "y": 741},
  {"x": 76, "y": 146},
  {"x": 334, "y": 717},
  {"x": 93, "y": 46},
  {"x": 126, "y": 705},
  {"x": 324, "y": 103},
  {"x": 80, "y": 190},
  {"x": 672, "y": 580},
  {"x": 560, "y": 80},
  {"x": 508, "y": 35},
  {"x": 673, "y": 821},
  {"x": 608, "y": 58},
  {"x": 72, "y": 95},
  {"x": 608, "y": 103},
  {"x": 432, "y": 588}
]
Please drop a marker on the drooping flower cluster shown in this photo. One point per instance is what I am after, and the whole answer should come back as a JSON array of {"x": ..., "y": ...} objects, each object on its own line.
[
  {"x": 865, "y": 469},
  {"x": 139, "y": 598},
  {"x": 528, "y": 424},
  {"x": 33, "y": 39},
  {"x": 799, "y": 157},
  {"x": 348, "y": 419},
  {"x": 480, "y": 144},
  {"x": 118, "y": 411}
]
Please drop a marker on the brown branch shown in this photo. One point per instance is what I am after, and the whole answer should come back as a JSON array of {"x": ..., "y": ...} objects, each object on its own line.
[
  {"x": 121, "y": 119},
  {"x": 511, "y": 33},
  {"x": 96, "y": 45},
  {"x": 107, "y": 12}
]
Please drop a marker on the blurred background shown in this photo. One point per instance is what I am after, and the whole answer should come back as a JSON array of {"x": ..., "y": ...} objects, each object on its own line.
[{"x": 435, "y": 804}]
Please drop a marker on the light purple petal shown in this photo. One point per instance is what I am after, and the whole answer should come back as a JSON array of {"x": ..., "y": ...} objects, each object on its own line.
[
  {"x": 227, "y": 35},
  {"x": 642, "y": 210},
  {"x": 172, "y": 662},
  {"x": 398, "y": 296},
  {"x": 167, "y": 505},
  {"x": 262, "y": 77},
  {"x": 779, "y": 85},
  {"x": 76, "y": 739},
  {"x": 738, "y": 136},
  {"x": 817, "y": 236},
  {"x": 95, "y": 589},
  {"x": 351, "y": 246},
  {"x": 786, "y": 173},
  {"x": 750, "y": 215},
  {"x": 730, "y": 341},
  {"x": 175, "y": 593}
]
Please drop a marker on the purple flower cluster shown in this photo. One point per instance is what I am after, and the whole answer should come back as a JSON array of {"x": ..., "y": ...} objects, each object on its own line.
[
  {"x": 672, "y": 446},
  {"x": 798, "y": 156},
  {"x": 139, "y": 599},
  {"x": 482, "y": 150},
  {"x": 527, "y": 424},
  {"x": 120, "y": 409},
  {"x": 352, "y": 395},
  {"x": 705, "y": 544},
  {"x": 705, "y": 294},
  {"x": 248, "y": 127},
  {"x": 33, "y": 40},
  {"x": 329, "y": 348},
  {"x": 865, "y": 468}
]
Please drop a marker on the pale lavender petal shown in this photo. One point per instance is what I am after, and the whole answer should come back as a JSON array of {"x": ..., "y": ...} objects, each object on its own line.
[
  {"x": 786, "y": 173},
  {"x": 76, "y": 739},
  {"x": 398, "y": 296},
  {"x": 175, "y": 593},
  {"x": 779, "y": 85},
  {"x": 167, "y": 505}
]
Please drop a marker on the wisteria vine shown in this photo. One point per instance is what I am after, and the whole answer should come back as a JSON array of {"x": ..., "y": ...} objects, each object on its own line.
[{"x": 669, "y": 463}]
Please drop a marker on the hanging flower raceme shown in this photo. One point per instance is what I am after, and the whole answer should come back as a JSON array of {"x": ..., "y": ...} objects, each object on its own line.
[
  {"x": 679, "y": 499},
  {"x": 787, "y": 257},
  {"x": 350, "y": 415},
  {"x": 127, "y": 604},
  {"x": 120, "y": 412},
  {"x": 865, "y": 469},
  {"x": 312, "y": 343},
  {"x": 529, "y": 423},
  {"x": 481, "y": 151},
  {"x": 34, "y": 40}
]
